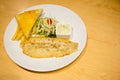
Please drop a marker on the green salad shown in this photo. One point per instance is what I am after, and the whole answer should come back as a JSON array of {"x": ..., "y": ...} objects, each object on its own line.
[{"x": 45, "y": 26}]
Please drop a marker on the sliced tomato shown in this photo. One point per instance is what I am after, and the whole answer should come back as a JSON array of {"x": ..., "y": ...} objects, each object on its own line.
[{"x": 49, "y": 21}]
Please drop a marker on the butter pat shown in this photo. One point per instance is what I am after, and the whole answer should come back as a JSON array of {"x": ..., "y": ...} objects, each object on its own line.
[{"x": 63, "y": 31}]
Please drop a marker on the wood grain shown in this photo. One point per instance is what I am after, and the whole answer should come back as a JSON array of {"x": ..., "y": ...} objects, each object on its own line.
[{"x": 100, "y": 59}]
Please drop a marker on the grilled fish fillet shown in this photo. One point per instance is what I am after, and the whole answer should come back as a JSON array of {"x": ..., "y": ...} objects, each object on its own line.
[
  {"x": 27, "y": 19},
  {"x": 42, "y": 47}
]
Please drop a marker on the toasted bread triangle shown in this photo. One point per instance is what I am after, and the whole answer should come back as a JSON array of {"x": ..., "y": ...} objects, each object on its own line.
[{"x": 27, "y": 19}]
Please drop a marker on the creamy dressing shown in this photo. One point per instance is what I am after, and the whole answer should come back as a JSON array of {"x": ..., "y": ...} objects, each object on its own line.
[{"x": 63, "y": 31}]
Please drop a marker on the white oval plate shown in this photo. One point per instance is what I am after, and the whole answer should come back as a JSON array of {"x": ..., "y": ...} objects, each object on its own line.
[{"x": 63, "y": 15}]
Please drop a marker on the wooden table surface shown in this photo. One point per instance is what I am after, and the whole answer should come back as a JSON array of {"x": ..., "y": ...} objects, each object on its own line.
[{"x": 100, "y": 59}]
